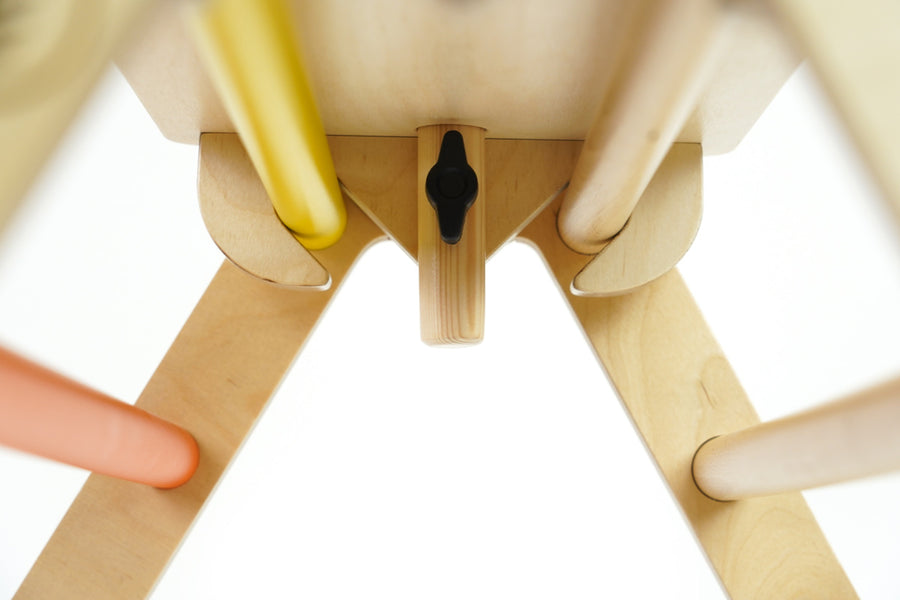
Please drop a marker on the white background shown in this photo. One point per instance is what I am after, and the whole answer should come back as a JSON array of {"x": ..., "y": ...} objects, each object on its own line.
[{"x": 365, "y": 478}]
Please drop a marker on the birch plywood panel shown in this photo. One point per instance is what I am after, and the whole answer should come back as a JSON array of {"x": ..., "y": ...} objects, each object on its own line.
[{"x": 525, "y": 70}]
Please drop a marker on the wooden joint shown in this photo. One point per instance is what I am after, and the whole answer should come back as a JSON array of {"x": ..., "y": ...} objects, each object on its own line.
[
  {"x": 274, "y": 110},
  {"x": 51, "y": 416},
  {"x": 658, "y": 234}
]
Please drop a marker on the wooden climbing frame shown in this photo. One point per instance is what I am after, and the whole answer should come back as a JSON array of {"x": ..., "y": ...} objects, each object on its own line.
[{"x": 585, "y": 126}]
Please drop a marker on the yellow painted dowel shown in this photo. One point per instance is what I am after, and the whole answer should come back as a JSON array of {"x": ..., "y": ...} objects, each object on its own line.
[
  {"x": 852, "y": 438},
  {"x": 256, "y": 65}
]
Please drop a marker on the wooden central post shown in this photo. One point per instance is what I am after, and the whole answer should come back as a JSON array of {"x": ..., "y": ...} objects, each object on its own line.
[{"x": 451, "y": 274}]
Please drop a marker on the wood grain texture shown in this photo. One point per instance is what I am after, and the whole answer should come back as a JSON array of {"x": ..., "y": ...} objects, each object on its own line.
[
  {"x": 680, "y": 390},
  {"x": 52, "y": 53},
  {"x": 658, "y": 80},
  {"x": 381, "y": 175},
  {"x": 854, "y": 48},
  {"x": 848, "y": 439},
  {"x": 451, "y": 276},
  {"x": 522, "y": 176},
  {"x": 383, "y": 69},
  {"x": 216, "y": 379},
  {"x": 242, "y": 222},
  {"x": 659, "y": 232}
]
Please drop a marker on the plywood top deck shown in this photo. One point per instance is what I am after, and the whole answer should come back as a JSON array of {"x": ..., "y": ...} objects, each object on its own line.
[{"x": 522, "y": 69}]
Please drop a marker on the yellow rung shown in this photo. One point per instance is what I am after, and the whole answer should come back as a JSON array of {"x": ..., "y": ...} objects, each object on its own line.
[{"x": 256, "y": 65}]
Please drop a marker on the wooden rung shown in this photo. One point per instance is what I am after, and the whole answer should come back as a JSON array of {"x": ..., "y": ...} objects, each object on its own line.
[
  {"x": 852, "y": 438},
  {"x": 256, "y": 65},
  {"x": 44, "y": 413},
  {"x": 451, "y": 274},
  {"x": 854, "y": 48},
  {"x": 658, "y": 83}
]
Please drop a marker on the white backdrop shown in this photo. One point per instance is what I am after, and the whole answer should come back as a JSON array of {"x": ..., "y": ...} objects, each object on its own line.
[{"x": 364, "y": 479}]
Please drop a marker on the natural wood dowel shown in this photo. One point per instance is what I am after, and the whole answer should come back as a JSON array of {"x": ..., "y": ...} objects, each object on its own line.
[
  {"x": 852, "y": 438},
  {"x": 656, "y": 87},
  {"x": 43, "y": 413},
  {"x": 451, "y": 276},
  {"x": 256, "y": 65}
]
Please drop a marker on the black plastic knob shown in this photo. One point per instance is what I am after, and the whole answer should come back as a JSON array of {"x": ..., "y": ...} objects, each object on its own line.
[{"x": 451, "y": 187}]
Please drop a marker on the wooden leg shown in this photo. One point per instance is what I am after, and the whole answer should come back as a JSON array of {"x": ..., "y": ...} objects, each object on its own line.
[
  {"x": 217, "y": 377},
  {"x": 52, "y": 55},
  {"x": 680, "y": 391}
]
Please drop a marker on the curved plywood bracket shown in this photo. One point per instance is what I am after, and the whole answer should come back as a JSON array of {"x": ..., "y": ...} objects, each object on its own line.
[
  {"x": 242, "y": 222},
  {"x": 659, "y": 232},
  {"x": 51, "y": 55},
  {"x": 521, "y": 177}
]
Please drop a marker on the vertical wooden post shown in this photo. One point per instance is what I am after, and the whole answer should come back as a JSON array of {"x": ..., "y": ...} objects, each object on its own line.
[{"x": 451, "y": 276}]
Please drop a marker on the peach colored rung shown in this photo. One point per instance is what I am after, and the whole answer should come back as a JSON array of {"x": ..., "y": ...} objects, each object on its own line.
[{"x": 43, "y": 413}]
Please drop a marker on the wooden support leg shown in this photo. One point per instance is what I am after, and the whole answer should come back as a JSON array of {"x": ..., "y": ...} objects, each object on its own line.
[
  {"x": 217, "y": 377},
  {"x": 680, "y": 390}
]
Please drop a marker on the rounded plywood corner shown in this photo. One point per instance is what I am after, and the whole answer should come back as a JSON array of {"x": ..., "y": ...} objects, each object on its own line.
[
  {"x": 658, "y": 234},
  {"x": 242, "y": 221}
]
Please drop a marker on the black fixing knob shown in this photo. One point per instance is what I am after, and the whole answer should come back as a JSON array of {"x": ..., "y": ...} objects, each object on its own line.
[{"x": 451, "y": 187}]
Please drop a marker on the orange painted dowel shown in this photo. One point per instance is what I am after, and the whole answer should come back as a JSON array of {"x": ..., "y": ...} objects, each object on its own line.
[{"x": 43, "y": 413}]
